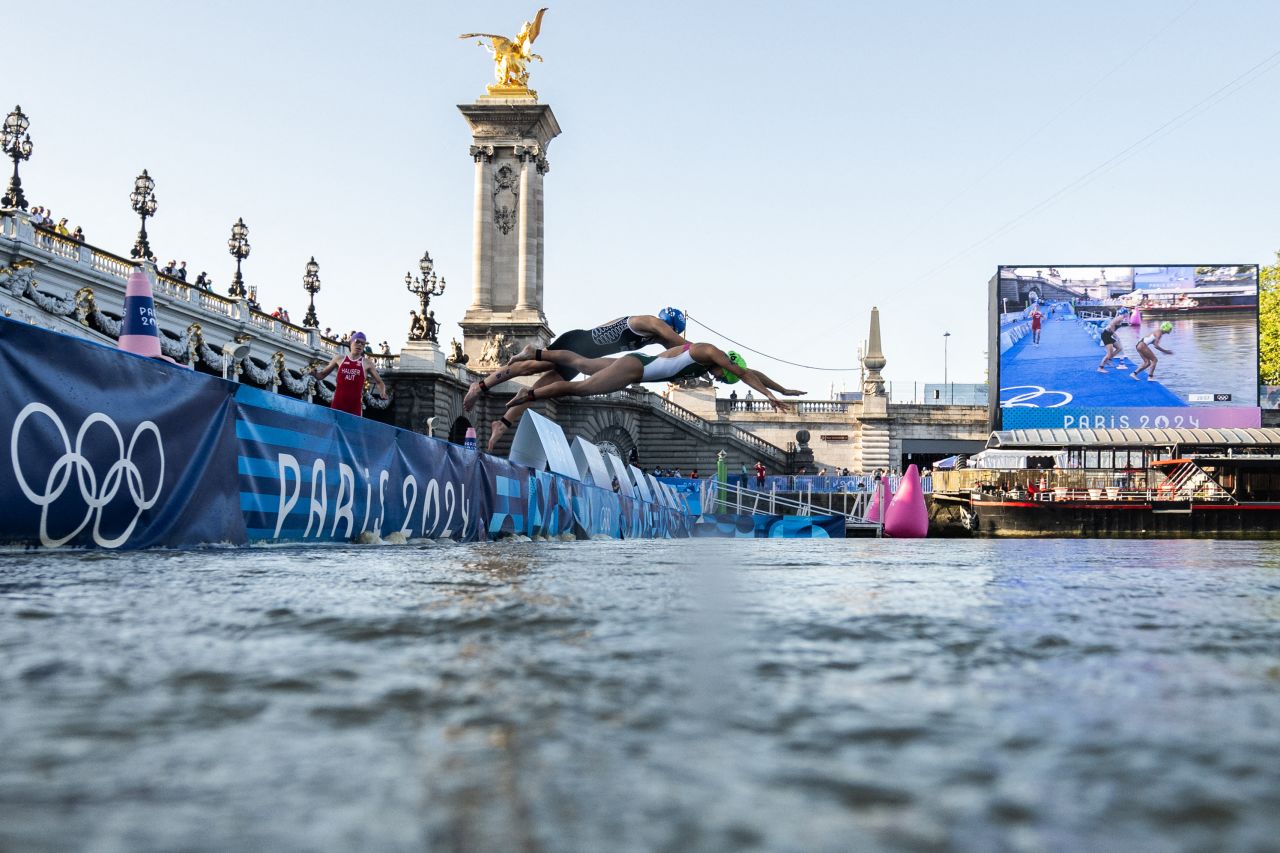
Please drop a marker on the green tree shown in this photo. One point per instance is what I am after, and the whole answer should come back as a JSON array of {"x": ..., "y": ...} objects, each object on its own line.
[{"x": 1269, "y": 323}]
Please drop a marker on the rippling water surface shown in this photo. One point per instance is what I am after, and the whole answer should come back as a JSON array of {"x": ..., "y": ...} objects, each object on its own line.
[{"x": 605, "y": 696}]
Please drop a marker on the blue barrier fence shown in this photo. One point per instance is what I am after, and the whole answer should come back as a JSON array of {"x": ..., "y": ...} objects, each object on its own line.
[{"x": 111, "y": 450}]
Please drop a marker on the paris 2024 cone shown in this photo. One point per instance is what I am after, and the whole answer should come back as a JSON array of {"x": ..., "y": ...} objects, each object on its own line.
[
  {"x": 139, "y": 333},
  {"x": 907, "y": 517}
]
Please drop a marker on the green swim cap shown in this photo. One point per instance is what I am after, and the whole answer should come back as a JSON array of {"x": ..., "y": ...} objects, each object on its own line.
[
  {"x": 1166, "y": 326},
  {"x": 727, "y": 377}
]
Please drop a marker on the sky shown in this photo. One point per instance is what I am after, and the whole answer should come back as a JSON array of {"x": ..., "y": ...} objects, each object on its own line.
[{"x": 774, "y": 169}]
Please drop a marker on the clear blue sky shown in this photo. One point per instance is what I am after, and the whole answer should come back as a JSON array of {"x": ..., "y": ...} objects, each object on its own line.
[{"x": 776, "y": 169}]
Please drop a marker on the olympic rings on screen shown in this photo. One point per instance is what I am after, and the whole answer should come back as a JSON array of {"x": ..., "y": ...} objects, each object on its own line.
[
  {"x": 95, "y": 493},
  {"x": 1025, "y": 399}
]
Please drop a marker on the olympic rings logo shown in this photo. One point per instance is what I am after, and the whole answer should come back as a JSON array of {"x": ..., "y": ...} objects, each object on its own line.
[
  {"x": 96, "y": 494},
  {"x": 1027, "y": 398}
]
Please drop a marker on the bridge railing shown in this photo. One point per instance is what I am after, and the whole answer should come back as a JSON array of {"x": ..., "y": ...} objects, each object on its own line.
[
  {"x": 171, "y": 290},
  {"x": 761, "y": 406}
]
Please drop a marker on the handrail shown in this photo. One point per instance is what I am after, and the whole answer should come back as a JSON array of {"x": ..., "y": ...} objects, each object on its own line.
[{"x": 709, "y": 489}]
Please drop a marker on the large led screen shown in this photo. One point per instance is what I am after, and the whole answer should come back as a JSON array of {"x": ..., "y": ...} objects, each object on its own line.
[{"x": 1110, "y": 347}]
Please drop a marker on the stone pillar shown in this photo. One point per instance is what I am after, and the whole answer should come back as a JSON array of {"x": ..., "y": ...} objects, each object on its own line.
[
  {"x": 482, "y": 212},
  {"x": 527, "y": 227},
  {"x": 543, "y": 168},
  {"x": 510, "y": 137}
]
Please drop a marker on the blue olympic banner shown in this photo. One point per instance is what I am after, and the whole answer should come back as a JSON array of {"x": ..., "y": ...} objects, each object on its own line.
[
  {"x": 316, "y": 475},
  {"x": 764, "y": 526},
  {"x": 111, "y": 450}
]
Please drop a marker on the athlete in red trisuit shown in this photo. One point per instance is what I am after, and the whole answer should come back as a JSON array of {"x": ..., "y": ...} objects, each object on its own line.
[{"x": 348, "y": 393}]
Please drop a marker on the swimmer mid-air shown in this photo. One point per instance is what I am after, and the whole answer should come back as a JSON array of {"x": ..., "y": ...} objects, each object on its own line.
[
  {"x": 686, "y": 361},
  {"x": 621, "y": 335}
]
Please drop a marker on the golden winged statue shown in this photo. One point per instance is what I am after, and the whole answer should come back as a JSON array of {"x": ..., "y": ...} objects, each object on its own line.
[{"x": 510, "y": 55}]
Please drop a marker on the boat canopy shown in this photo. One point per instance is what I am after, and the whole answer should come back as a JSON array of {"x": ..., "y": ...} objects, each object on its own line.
[{"x": 1053, "y": 438}]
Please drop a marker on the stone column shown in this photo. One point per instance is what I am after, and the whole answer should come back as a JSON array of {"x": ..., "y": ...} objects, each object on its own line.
[
  {"x": 543, "y": 168},
  {"x": 527, "y": 230},
  {"x": 482, "y": 213},
  {"x": 509, "y": 136}
]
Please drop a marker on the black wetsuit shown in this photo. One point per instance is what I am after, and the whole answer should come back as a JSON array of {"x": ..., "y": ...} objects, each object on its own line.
[{"x": 610, "y": 339}]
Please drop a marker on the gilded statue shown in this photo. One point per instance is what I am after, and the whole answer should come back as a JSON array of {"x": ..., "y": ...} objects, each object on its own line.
[{"x": 510, "y": 55}]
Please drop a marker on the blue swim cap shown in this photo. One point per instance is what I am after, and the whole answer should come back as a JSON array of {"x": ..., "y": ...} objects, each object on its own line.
[{"x": 674, "y": 318}]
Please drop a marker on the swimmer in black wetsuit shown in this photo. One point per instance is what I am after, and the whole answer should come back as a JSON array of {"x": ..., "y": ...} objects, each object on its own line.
[
  {"x": 621, "y": 335},
  {"x": 1111, "y": 342},
  {"x": 612, "y": 374}
]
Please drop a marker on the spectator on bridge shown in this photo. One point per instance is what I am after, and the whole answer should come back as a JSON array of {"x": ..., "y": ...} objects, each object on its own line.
[
  {"x": 202, "y": 280},
  {"x": 760, "y": 472},
  {"x": 386, "y": 348},
  {"x": 62, "y": 228},
  {"x": 78, "y": 234},
  {"x": 284, "y": 315},
  {"x": 170, "y": 269},
  {"x": 181, "y": 272},
  {"x": 733, "y": 399},
  {"x": 750, "y": 396}
]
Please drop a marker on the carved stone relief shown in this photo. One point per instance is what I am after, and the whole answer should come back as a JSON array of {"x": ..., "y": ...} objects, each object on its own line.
[{"x": 506, "y": 194}]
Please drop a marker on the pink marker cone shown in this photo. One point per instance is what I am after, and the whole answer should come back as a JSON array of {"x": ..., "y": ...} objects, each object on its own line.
[
  {"x": 139, "y": 333},
  {"x": 907, "y": 516}
]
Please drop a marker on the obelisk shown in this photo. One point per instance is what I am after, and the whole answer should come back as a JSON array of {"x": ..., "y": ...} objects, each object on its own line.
[{"x": 873, "y": 420}]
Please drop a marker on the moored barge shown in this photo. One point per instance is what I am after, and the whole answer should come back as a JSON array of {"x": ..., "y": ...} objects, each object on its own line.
[{"x": 1177, "y": 483}]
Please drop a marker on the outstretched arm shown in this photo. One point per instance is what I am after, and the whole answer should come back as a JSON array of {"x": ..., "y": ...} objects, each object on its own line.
[
  {"x": 328, "y": 368},
  {"x": 708, "y": 354},
  {"x": 790, "y": 392},
  {"x": 655, "y": 328}
]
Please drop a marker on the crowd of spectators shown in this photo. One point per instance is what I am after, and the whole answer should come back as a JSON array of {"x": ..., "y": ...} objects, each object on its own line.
[{"x": 42, "y": 217}]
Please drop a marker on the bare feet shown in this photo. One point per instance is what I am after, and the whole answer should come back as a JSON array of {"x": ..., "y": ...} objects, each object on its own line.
[
  {"x": 496, "y": 431},
  {"x": 525, "y": 396},
  {"x": 473, "y": 393},
  {"x": 525, "y": 354},
  {"x": 1100, "y": 370}
]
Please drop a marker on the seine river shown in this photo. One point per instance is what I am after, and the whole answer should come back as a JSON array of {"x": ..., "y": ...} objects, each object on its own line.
[{"x": 1042, "y": 695}]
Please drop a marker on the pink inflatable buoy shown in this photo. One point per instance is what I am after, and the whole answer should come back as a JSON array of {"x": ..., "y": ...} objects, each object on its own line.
[
  {"x": 1135, "y": 319},
  {"x": 878, "y": 500},
  {"x": 907, "y": 517}
]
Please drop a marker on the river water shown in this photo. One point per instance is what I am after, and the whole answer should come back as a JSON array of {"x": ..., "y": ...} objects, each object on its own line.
[{"x": 637, "y": 696}]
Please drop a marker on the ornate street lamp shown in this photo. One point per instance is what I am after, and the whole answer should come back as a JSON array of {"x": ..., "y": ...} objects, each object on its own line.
[
  {"x": 425, "y": 288},
  {"x": 239, "y": 247},
  {"x": 143, "y": 200},
  {"x": 311, "y": 284},
  {"x": 16, "y": 143}
]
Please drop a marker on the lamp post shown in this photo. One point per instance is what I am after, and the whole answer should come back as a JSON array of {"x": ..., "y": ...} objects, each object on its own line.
[
  {"x": 946, "y": 336},
  {"x": 16, "y": 143},
  {"x": 143, "y": 200},
  {"x": 239, "y": 247},
  {"x": 425, "y": 287},
  {"x": 311, "y": 284}
]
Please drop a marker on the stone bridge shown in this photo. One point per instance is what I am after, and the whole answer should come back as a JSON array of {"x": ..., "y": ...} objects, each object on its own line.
[{"x": 76, "y": 288}]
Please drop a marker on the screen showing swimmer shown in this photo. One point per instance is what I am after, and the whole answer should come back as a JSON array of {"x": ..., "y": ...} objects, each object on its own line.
[{"x": 1127, "y": 347}]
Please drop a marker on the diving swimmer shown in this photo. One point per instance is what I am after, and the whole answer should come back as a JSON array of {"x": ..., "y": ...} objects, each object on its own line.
[
  {"x": 612, "y": 374},
  {"x": 621, "y": 335}
]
